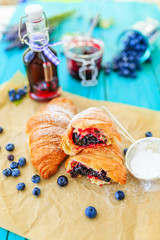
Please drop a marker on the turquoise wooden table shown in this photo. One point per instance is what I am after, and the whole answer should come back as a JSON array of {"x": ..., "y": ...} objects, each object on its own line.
[{"x": 144, "y": 91}]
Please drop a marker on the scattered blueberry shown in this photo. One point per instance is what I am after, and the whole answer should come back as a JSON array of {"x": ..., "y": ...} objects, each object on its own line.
[
  {"x": 62, "y": 181},
  {"x": 10, "y": 157},
  {"x": 20, "y": 186},
  {"x": 12, "y": 98},
  {"x": 125, "y": 151},
  {"x": 1, "y": 129},
  {"x": 7, "y": 172},
  {"x": 11, "y": 92},
  {"x": 21, "y": 92},
  {"x": 10, "y": 147},
  {"x": 14, "y": 165},
  {"x": 91, "y": 212},
  {"x": 119, "y": 195},
  {"x": 107, "y": 69},
  {"x": 36, "y": 178},
  {"x": 149, "y": 134},
  {"x": 15, "y": 172},
  {"x": 22, "y": 161},
  {"x": 36, "y": 191},
  {"x": 18, "y": 96}
]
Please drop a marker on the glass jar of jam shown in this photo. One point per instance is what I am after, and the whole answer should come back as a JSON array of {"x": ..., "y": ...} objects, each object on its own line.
[{"x": 84, "y": 57}]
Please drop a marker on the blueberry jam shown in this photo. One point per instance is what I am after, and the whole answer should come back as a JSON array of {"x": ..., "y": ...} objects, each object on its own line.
[
  {"x": 82, "y": 170},
  {"x": 88, "y": 52},
  {"x": 88, "y": 139}
]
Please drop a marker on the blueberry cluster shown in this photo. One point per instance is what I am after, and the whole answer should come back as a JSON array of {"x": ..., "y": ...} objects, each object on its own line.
[
  {"x": 15, "y": 95},
  {"x": 13, "y": 170},
  {"x": 80, "y": 169},
  {"x": 127, "y": 63},
  {"x": 86, "y": 140}
]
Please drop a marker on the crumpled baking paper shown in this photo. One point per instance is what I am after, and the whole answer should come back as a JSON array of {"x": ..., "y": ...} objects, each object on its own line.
[{"x": 58, "y": 213}]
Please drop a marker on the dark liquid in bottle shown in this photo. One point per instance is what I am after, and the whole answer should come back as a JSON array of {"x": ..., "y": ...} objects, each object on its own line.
[
  {"x": 42, "y": 75},
  {"x": 74, "y": 66}
]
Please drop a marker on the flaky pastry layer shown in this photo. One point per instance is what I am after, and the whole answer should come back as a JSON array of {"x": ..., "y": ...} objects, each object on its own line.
[
  {"x": 94, "y": 119},
  {"x": 108, "y": 159},
  {"x": 44, "y": 130}
]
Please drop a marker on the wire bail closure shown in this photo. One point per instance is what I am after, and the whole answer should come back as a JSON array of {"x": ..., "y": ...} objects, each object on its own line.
[{"x": 24, "y": 39}]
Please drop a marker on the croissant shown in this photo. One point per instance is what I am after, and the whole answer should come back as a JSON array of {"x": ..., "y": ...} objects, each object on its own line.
[
  {"x": 89, "y": 128},
  {"x": 44, "y": 130},
  {"x": 102, "y": 165}
]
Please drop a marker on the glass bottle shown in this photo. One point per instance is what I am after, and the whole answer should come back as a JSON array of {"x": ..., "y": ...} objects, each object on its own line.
[
  {"x": 148, "y": 31},
  {"x": 41, "y": 71}
]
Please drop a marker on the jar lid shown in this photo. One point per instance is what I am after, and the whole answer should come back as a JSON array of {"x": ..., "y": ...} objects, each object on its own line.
[{"x": 34, "y": 12}]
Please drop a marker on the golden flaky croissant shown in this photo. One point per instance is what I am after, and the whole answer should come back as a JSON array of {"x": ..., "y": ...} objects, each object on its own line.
[
  {"x": 102, "y": 165},
  {"x": 89, "y": 128},
  {"x": 44, "y": 130}
]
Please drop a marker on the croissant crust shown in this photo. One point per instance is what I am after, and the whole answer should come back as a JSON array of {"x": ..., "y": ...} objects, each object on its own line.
[
  {"x": 44, "y": 130},
  {"x": 91, "y": 118},
  {"x": 101, "y": 158}
]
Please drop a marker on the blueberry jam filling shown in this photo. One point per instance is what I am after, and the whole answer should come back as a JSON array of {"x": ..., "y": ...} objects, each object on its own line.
[
  {"x": 86, "y": 140},
  {"x": 80, "y": 169}
]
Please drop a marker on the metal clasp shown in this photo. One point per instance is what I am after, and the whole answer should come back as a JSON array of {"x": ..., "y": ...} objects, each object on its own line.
[
  {"x": 88, "y": 66},
  {"x": 24, "y": 39}
]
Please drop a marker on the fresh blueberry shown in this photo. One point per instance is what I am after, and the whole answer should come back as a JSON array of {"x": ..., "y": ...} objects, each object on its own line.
[
  {"x": 7, "y": 172},
  {"x": 115, "y": 67},
  {"x": 107, "y": 71},
  {"x": 125, "y": 72},
  {"x": 36, "y": 191},
  {"x": 18, "y": 96},
  {"x": 149, "y": 134},
  {"x": 20, "y": 186},
  {"x": 119, "y": 195},
  {"x": 25, "y": 87},
  {"x": 21, "y": 92},
  {"x": 1, "y": 129},
  {"x": 14, "y": 165},
  {"x": 10, "y": 147},
  {"x": 15, "y": 172},
  {"x": 11, "y": 92},
  {"x": 10, "y": 157},
  {"x": 36, "y": 178},
  {"x": 22, "y": 161},
  {"x": 132, "y": 66},
  {"x": 133, "y": 75},
  {"x": 91, "y": 212},
  {"x": 12, "y": 98},
  {"x": 125, "y": 151},
  {"x": 62, "y": 181}
]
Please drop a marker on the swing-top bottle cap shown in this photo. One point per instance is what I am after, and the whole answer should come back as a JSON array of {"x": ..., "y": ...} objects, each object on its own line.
[{"x": 34, "y": 12}]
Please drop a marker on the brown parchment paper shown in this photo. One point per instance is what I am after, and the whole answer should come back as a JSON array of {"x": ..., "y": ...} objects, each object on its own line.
[{"x": 58, "y": 213}]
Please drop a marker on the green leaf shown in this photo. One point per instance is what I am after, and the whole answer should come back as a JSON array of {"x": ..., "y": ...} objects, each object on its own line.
[{"x": 55, "y": 20}]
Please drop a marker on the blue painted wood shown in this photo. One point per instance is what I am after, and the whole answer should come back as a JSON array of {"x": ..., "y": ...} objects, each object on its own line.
[
  {"x": 3, "y": 234},
  {"x": 12, "y": 236},
  {"x": 143, "y": 91}
]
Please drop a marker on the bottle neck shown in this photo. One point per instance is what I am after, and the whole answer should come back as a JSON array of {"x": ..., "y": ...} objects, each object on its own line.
[{"x": 38, "y": 34}]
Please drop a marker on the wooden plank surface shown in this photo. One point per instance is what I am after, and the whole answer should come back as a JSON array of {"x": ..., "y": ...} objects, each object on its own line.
[{"x": 143, "y": 91}]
